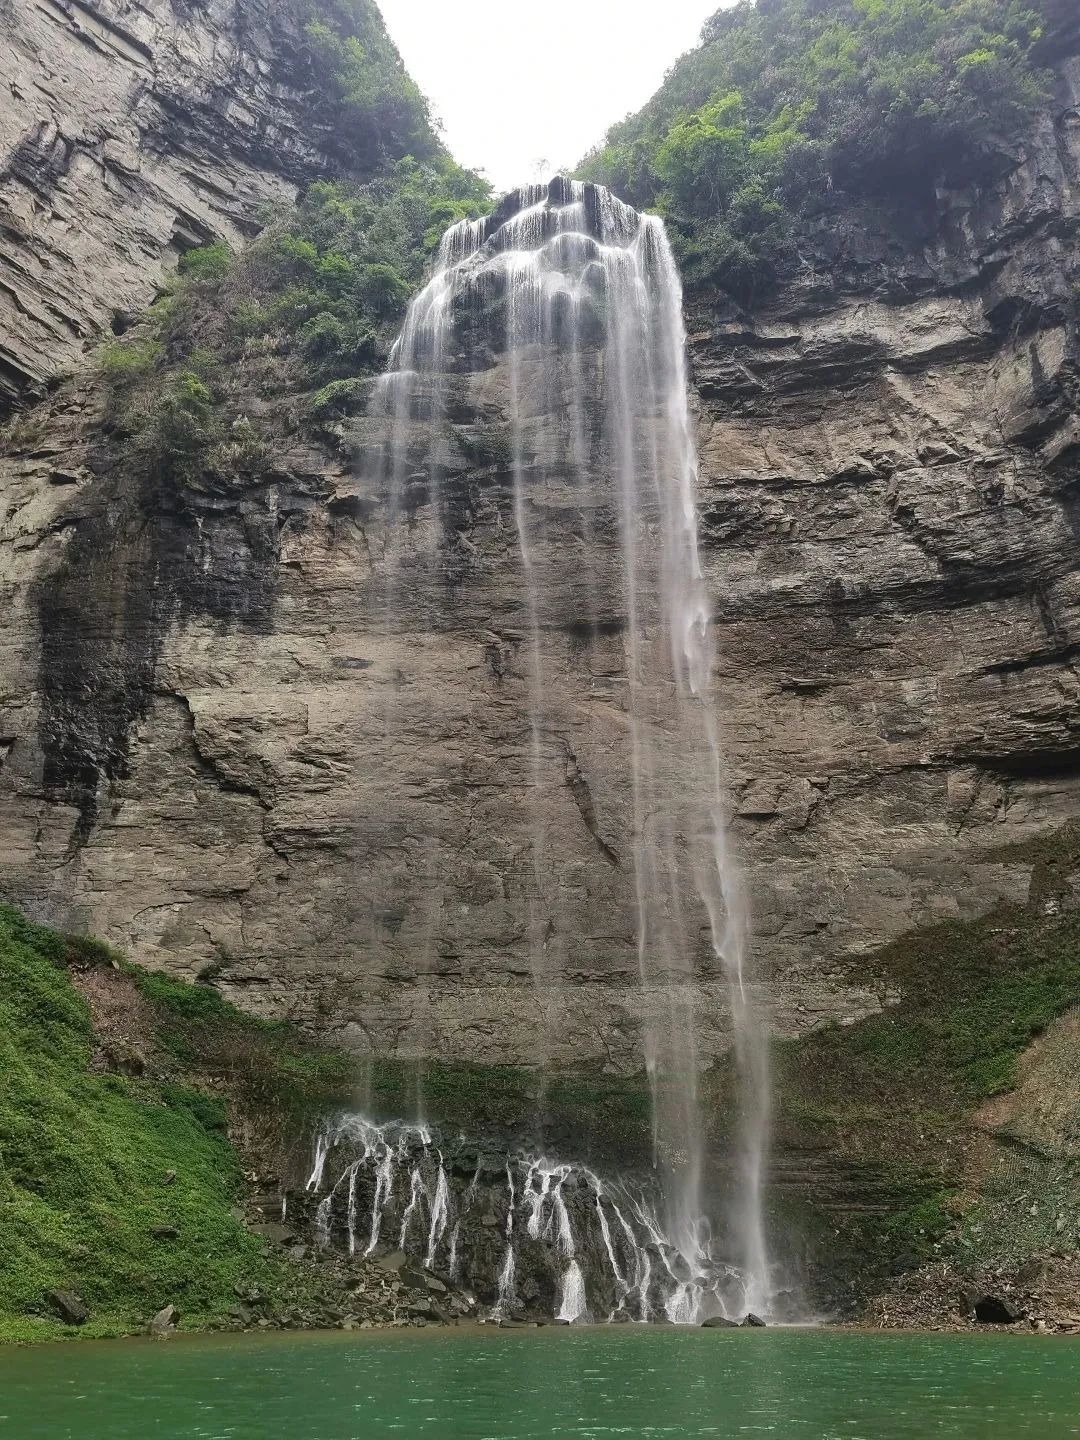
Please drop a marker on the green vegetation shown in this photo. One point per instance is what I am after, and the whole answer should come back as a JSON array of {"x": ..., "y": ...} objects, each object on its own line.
[
  {"x": 310, "y": 307},
  {"x": 301, "y": 318},
  {"x": 262, "y": 1062},
  {"x": 593, "y": 1114},
  {"x": 787, "y": 101},
  {"x": 896, "y": 1093},
  {"x": 378, "y": 107},
  {"x": 973, "y": 995},
  {"x": 117, "y": 1178}
]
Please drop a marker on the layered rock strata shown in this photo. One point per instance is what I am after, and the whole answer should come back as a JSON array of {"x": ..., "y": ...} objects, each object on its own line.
[
  {"x": 132, "y": 130},
  {"x": 218, "y": 751}
]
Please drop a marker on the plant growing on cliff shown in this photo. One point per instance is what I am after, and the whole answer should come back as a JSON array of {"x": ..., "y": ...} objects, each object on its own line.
[
  {"x": 378, "y": 104},
  {"x": 786, "y": 101},
  {"x": 895, "y": 1093}
]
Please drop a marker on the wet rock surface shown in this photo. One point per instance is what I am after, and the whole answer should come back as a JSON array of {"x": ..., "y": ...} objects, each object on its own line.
[{"x": 333, "y": 1289}]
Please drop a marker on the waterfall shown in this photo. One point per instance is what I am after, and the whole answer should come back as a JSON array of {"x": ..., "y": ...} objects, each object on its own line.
[
  {"x": 572, "y": 1305},
  {"x": 572, "y": 1243},
  {"x": 581, "y": 297}
]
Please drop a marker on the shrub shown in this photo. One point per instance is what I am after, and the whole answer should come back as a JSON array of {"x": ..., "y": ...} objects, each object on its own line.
[
  {"x": 323, "y": 334},
  {"x": 789, "y": 99},
  {"x": 381, "y": 109},
  {"x": 127, "y": 360},
  {"x": 209, "y": 263},
  {"x": 339, "y": 398}
]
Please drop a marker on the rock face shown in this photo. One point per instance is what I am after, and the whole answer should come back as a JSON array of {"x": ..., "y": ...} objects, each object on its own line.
[
  {"x": 129, "y": 133},
  {"x": 890, "y": 458},
  {"x": 220, "y": 747}
]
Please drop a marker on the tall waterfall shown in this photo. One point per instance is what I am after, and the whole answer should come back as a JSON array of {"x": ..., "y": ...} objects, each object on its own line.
[{"x": 579, "y": 296}]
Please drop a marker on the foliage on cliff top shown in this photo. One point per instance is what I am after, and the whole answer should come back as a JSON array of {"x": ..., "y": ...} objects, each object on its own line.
[
  {"x": 311, "y": 306},
  {"x": 314, "y": 301},
  {"x": 787, "y": 101},
  {"x": 86, "y": 1152},
  {"x": 379, "y": 112}
]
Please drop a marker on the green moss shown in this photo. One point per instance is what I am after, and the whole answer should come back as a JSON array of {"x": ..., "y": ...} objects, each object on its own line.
[
  {"x": 591, "y": 1115},
  {"x": 339, "y": 398},
  {"x": 972, "y": 997},
  {"x": 966, "y": 1000},
  {"x": 263, "y": 1061},
  {"x": 92, "y": 1164},
  {"x": 84, "y": 1161}
]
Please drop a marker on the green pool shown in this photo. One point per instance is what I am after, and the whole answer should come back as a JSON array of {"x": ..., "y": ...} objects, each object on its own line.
[{"x": 492, "y": 1385}]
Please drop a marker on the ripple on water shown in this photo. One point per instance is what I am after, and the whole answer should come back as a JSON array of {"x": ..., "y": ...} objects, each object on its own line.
[{"x": 591, "y": 1385}]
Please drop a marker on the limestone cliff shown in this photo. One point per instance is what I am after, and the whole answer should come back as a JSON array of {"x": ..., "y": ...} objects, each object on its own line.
[
  {"x": 217, "y": 753},
  {"x": 132, "y": 130},
  {"x": 890, "y": 456}
]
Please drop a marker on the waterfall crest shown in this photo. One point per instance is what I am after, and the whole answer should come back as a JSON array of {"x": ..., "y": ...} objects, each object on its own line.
[{"x": 578, "y": 295}]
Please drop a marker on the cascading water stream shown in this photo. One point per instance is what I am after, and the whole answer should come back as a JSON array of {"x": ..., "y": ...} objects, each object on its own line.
[
  {"x": 527, "y": 1232},
  {"x": 581, "y": 295}
]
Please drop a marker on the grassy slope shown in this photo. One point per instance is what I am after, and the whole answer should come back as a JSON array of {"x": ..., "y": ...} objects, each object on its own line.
[
  {"x": 905, "y": 1093},
  {"x": 85, "y": 1156},
  {"x": 113, "y": 1077}
]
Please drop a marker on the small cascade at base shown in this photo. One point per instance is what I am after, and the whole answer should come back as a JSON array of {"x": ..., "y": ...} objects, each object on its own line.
[{"x": 532, "y": 1236}]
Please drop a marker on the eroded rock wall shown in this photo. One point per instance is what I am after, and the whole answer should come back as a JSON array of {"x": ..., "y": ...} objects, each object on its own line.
[
  {"x": 890, "y": 458},
  {"x": 329, "y": 799},
  {"x": 130, "y": 131}
]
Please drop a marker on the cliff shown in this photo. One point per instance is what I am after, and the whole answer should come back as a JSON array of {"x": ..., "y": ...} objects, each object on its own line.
[
  {"x": 133, "y": 132},
  {"x": 216, "y": 752}
]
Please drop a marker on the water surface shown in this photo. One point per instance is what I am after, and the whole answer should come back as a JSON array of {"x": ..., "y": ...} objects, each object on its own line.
[{"x": 517, "y": 1385}]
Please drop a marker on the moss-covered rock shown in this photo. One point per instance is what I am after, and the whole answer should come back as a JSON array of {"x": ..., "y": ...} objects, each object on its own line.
[{"x": 917, "y": 1103}]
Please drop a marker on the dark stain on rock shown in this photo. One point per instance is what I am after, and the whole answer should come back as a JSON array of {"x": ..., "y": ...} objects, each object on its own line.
[{"x": 148, "y": 551}]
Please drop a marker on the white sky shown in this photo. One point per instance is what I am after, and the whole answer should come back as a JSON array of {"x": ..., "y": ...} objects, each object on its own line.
[{"x": 525, "y": 89}]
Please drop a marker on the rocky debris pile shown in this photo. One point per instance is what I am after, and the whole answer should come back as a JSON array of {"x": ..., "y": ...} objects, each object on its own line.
[
  {"x": 344, "y": 1294},
  {"x": 330, "y": 1289},
  {"x": 1040, "y": 1294}
]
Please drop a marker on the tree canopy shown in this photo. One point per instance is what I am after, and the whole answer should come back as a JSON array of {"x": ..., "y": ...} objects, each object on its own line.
[{"x": 785, "y": 100}]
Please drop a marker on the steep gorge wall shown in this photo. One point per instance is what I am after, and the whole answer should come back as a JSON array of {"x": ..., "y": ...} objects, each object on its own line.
[
  {"x": 132, "y": 130},
  {"x": 890, "y": 455},
  {"x": 332, "y": 812}
]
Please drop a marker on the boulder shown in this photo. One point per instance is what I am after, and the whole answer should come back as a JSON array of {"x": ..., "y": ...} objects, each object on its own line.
[
  {"x": 393, "y": 1262},
  {"x": 996, "y": 1310},
  {"x": 718, "y": 1322},
  {"x": 70, "y": 1307},
  {"x": 164, "y": 1322},
  {"x": 755, "y": 1321},
  {"x": 272, "y": 1230}
]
